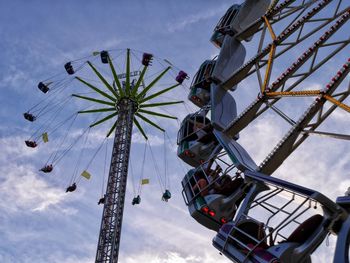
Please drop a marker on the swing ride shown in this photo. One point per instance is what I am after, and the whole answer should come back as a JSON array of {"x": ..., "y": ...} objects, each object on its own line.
[
  {"x": 127, "y": 98},
  {"x": 259, "y": 218},
  {"x": 256, "y": 217}
]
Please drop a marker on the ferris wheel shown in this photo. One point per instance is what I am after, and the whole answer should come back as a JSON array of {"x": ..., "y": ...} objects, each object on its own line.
[{"x": 294, "y": 55}]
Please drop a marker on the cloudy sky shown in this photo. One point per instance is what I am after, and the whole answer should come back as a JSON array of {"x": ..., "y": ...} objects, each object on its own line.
[{"x": 39, "y": 222}]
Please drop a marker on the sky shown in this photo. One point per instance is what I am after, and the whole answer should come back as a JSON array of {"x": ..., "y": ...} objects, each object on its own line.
[{"x": 39, "y": 222}]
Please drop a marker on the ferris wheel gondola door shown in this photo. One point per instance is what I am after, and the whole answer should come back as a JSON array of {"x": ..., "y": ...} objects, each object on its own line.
[{"x": 231, "y": 57}]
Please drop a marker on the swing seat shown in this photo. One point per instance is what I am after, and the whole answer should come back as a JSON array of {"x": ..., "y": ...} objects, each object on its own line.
[
  {"x": 136, "y": 200},
  {"x": 69, "y": 68},
  {"x": 166, "y": 196},
  {"x": 181, "y": 76},
  {"x": 44, "y": 88},
  {"x": 29, "y": 117},
  {"x": 104, "y": 57},
  {"x": 147, "y": 59},
  {"x": 101, "y": 201},
  {"x": 47, "y": 168},
  {"x": 71, "y": 188},
  {"x": 31, "y": 144}
]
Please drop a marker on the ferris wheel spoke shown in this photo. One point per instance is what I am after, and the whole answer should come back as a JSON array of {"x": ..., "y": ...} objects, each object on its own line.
[
  {"x": 104, "y": 94},
  {"x": 158, "y": 114},
  {"x": 99, "y": 75},
  {"x": 159, "y": 93},
  {"x": 328, "y": 134},
  {"x": 145, "y": 90},
  {"x": 94, "y": 100},
  {"x": 104, "y": 119},
  {"x": 149, "y": 122},
  {"x": 116, "y": 79},
  {"x": 253, "y": 110},
  {"x": 296, "y": 135},
  {"x": 140, "y": 128},
  {"x": 248, "y": 68}
]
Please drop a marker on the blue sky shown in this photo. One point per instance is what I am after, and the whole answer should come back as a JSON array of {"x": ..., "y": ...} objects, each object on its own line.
[{"x": 39, "y": 221}]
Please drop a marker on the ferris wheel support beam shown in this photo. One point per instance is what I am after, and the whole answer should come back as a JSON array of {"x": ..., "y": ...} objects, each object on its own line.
[
  {"x": 254, "y": 109},
  {"x": 112, "y": 217},
  {"x": 292, "y": 139},
  {"x": 258, "y": 62}
]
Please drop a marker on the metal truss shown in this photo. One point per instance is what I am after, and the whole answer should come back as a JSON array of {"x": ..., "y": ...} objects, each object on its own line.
[{"x": 112, "y": 217}]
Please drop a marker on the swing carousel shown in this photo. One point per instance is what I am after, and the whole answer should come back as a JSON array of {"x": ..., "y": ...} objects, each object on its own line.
[{"x": 122, "y": 88}]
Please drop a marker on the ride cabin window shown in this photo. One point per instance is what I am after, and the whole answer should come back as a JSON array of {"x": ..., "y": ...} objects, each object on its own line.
[
  {"x": 193, "y": 128},
  {"x": 203, "y": 75},
  {"x": 224, "y": 24}
]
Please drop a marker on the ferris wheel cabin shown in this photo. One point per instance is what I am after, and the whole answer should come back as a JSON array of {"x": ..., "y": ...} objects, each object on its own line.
[
  {"x": 277, "y": 222},
  {"x": 223, "y": 27},
  {"x": 195, "y": 139},
  {"x": 212, "y": 197},
  {"x": 200, "y": 87},
  {"x": 238, "y": 18}
]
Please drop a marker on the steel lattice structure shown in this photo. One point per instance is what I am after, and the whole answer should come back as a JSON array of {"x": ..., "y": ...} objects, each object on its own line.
[
  {"x": 112, "y": 217},
  {"x": 128, "y": 102}
]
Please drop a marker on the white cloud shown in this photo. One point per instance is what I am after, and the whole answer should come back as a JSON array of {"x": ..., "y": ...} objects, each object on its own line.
[
  {"x": 192, "y": 19},
  {"x": 13, "y": 148},
  {"x": 154, "y": 140},
  {"x": 170, "y": 257},
  {"x": 21, "y": 189}
]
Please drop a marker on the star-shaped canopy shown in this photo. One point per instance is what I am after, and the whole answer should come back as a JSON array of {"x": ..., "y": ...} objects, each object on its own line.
[{"x": 131, "y": 91}]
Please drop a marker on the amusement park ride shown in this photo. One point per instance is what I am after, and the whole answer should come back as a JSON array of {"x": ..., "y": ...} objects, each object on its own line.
[{"x": 256, "y": 217}]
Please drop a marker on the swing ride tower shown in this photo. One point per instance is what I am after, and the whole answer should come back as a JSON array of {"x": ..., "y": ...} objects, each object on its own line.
[
  {"x": 127, "y": 103},
  {"x": 126, "y": 96},
  {"x": 112, "y": 217}
]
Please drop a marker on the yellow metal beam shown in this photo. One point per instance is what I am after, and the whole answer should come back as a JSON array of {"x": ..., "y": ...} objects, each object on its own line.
[
  {"x": 338, "y": 103},
  {"x": 272, "y": 33},
  {"x": 269, "y": 68},
  {"x": 271, "y": 56}
]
